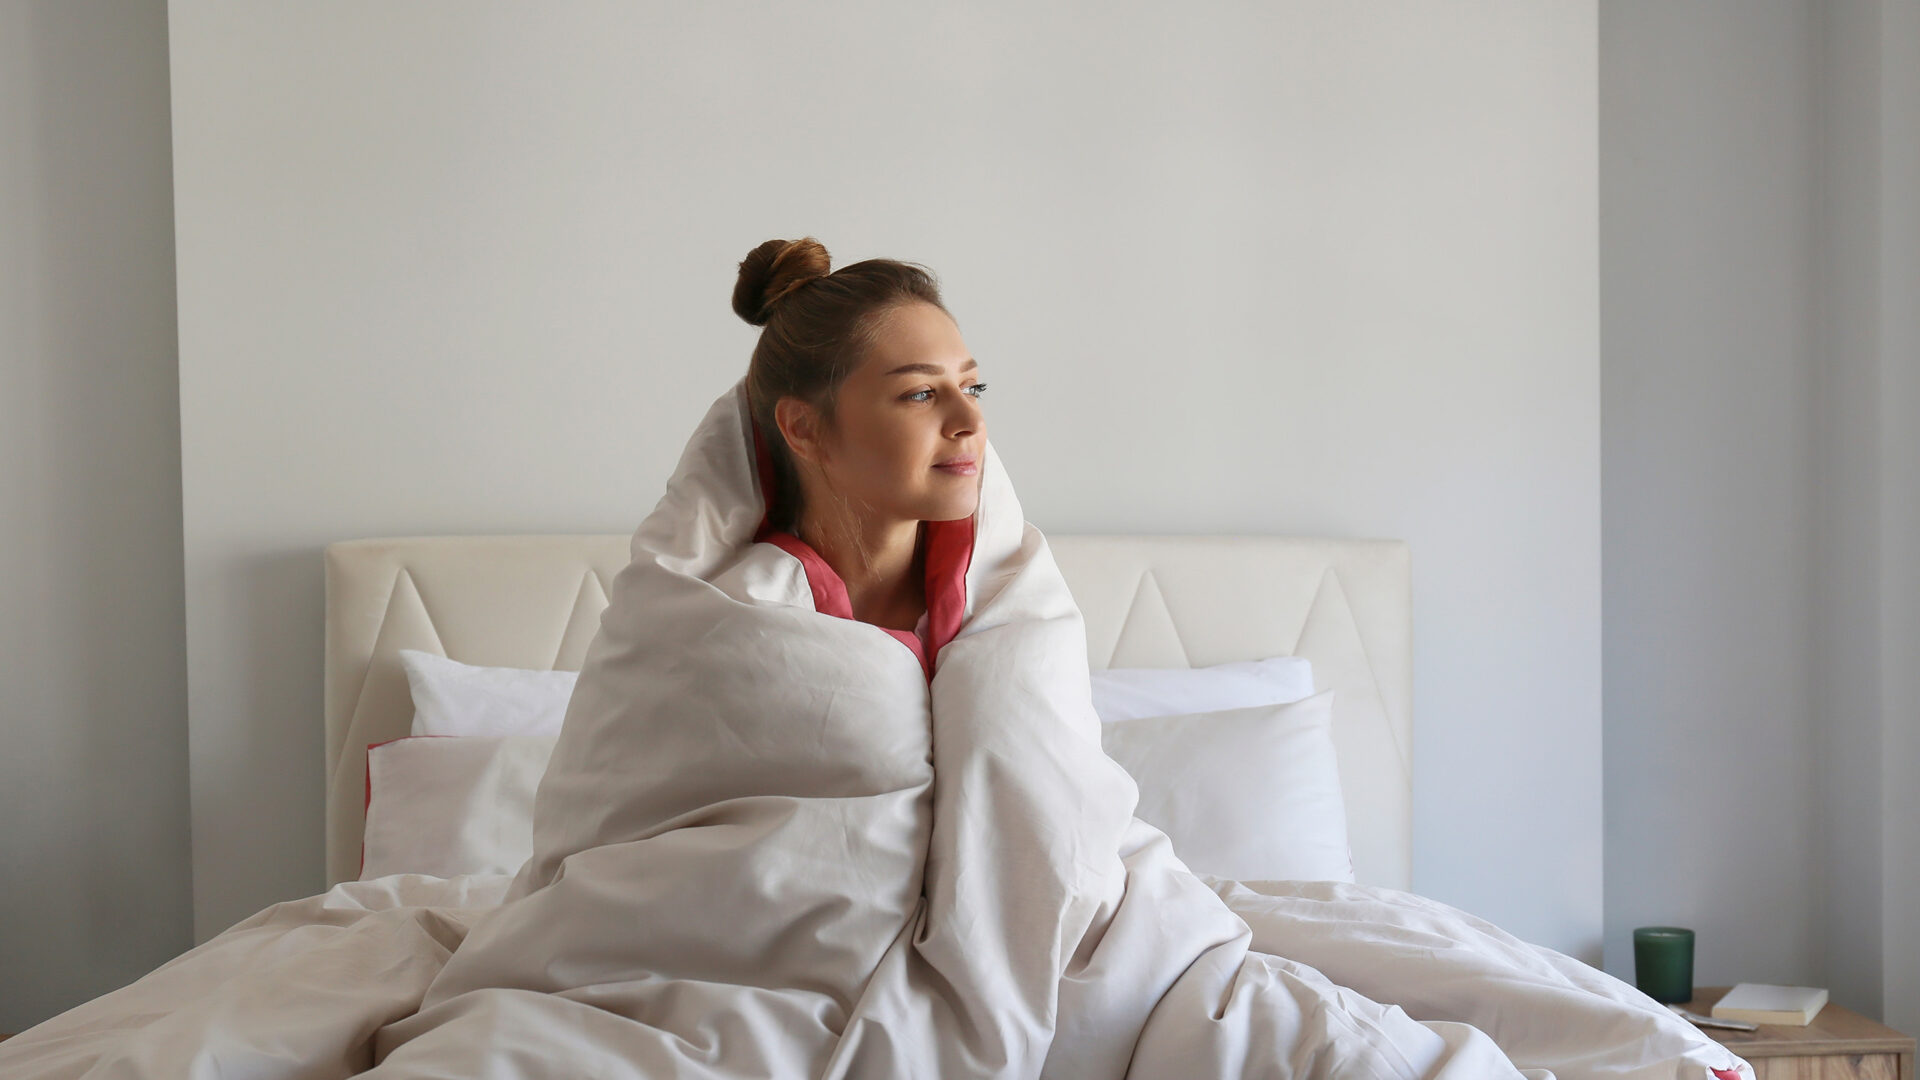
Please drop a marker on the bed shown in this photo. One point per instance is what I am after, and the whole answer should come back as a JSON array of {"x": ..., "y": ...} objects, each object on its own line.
[{"x": 1360, "y": 978}]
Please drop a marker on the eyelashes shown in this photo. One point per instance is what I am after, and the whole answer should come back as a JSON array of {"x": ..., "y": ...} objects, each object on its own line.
[{"x": 976, "y": 390}]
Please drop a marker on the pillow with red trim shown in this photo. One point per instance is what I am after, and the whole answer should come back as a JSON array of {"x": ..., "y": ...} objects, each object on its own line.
[
  {"x": 1248, "y": 794},
  {"x": 448, "y": 805}
]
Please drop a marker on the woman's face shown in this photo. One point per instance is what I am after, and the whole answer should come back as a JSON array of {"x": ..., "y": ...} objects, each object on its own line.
[{"x": 912, "y": 405}]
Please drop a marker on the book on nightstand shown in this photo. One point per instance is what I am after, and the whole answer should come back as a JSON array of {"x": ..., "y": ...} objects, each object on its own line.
[{"x": 1764, "y": 1004}]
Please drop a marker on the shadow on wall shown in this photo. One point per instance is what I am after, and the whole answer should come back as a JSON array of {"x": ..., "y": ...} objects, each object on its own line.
[{"x": 93, "y": 789}]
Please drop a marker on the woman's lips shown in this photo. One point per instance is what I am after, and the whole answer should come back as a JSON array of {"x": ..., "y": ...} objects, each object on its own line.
[{"x": 960, "y": 468}]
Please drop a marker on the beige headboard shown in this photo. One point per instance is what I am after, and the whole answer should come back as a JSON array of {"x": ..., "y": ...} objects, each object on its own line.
[{"x": 1149, "y": 601}]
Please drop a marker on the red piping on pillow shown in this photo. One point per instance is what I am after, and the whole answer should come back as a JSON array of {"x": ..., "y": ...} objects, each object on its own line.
[
  {"x": 948, "y": 556},
  {"x": 366, "y": 799}
]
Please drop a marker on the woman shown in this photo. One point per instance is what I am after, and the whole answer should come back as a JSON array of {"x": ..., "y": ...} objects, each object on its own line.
[{"x": 868, "y": 404}]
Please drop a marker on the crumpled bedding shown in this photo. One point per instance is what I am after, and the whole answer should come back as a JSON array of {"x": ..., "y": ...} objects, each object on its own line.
[
  {"x": 774, "y": 841},
  {"x": 302, "y": 989}
]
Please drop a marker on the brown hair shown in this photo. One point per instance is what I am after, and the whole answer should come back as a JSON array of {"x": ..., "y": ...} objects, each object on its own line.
[{"x": 818, "y": 327}]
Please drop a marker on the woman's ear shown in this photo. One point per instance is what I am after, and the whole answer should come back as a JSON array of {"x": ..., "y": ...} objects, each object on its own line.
[{"x": 799, "y": 425}]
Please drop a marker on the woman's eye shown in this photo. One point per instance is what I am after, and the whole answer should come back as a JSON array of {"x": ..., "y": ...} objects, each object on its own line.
[{"x": 975, "y": 389}]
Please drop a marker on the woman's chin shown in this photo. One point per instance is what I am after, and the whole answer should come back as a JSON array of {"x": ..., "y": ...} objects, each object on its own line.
[{"x": 951, "y": 511}]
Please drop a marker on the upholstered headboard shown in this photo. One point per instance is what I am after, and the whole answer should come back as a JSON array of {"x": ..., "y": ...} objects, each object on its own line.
[{"x": 1149, "y": 601}]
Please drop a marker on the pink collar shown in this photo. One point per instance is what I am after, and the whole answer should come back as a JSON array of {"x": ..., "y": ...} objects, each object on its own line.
[{"x": 949, "y": 553}]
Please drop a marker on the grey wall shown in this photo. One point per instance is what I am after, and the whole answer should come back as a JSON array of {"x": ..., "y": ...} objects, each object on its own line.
[
  {"x": 1897, "y": 360},
  {"x": 1310, "y": 267},
  {"x": 93, "y": 773},
  {"x": 1707, "y": 330},
  {"x": 1760, "y": 255},
  {"x": 1846, "y": 657}
]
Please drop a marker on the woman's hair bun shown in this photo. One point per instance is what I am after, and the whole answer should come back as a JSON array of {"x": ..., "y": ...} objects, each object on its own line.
[{"x": 771, "y": 271}]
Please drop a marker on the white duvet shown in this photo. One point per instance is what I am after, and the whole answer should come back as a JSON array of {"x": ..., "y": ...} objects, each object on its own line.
[{"x": 768, "y": 845}]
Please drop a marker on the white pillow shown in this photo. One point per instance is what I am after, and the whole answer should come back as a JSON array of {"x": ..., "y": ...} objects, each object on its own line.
[
  {"x": 451, "y": 805},
  {"x": 1130, "y": 693},
  {"x": 1249, "y": 790},
  {"x": 452, "y": 698},
  {"x": 1251, "y": 794}
]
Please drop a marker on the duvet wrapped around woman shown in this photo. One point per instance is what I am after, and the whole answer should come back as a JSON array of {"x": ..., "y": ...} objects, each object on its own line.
[{"x": 830, "y": 801}]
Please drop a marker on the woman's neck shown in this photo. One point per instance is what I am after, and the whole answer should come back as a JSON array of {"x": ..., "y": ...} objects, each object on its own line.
[{"x": 882, "y": 564}]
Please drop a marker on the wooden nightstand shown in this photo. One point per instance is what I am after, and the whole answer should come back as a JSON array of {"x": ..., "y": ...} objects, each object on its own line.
[{"x": 1838, "y": 1045}]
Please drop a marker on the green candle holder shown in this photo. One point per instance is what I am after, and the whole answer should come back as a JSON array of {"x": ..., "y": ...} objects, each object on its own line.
[{"x": 1663, "y": 963}]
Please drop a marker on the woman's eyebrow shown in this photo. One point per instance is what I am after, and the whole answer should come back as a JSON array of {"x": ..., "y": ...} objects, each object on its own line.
[{"x": 929, "y": 369}]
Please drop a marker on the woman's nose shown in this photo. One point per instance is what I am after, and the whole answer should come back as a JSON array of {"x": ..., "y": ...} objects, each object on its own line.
[{"x": 966, "y": 418}]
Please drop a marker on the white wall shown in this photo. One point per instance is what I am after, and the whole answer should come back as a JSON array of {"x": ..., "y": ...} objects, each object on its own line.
[
  {"x": 1310, "y": 268},
  {"x": 94, "y": 889}
]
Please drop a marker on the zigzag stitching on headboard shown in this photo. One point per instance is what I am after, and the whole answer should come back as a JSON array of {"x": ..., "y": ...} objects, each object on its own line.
[
  {"x": 1173, "y": 621},
  {"x": 366, "y": 671},
  {"x": 573, "y": 613},
  {"x": 373, "y": 649},
  {"x": 426, "y": 609},
  {"x": 1306, "y": 615},
  {"x": 1133, "y": 609},
  {"x": 1366, "y": 654}
]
